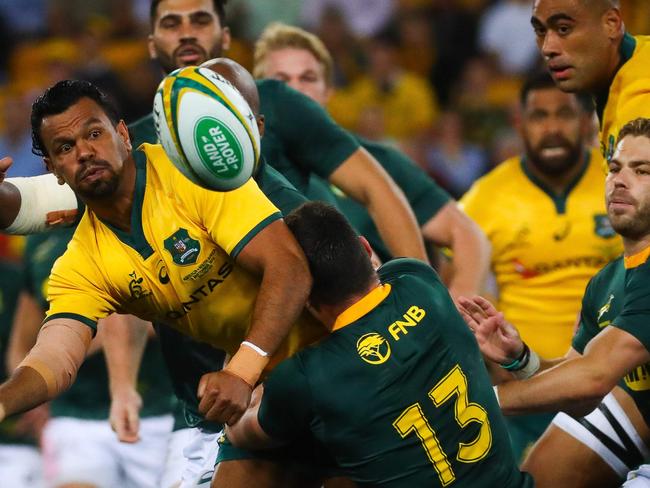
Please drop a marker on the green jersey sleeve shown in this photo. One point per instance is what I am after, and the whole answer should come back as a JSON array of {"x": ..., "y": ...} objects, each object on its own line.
[
  {"x": 587, "y": 327},
  {"x": 635, "y": 315},
  {"x": 300, "y": 135},
  {"x": 400, "y": 266},
  {"x": 424, "y": 195},
  {"x": 284, "y": 412}
]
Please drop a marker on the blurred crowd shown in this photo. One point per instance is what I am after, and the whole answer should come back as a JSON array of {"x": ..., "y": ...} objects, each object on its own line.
[{"x": 438, "y": 78}]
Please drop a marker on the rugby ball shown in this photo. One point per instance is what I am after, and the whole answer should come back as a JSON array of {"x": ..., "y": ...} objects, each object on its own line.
[{"x": 206, "y": 128}]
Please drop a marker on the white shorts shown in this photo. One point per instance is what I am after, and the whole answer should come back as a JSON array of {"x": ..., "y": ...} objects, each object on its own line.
[
  {"x": 609, "y": 433},
  {"x": 21, "y": 466},
  {"x": 200, "y": 457},
  {"x": 175, "y": 461},
  {"x": 87, "y": 451},
  {"x": 639, "y": 478}
]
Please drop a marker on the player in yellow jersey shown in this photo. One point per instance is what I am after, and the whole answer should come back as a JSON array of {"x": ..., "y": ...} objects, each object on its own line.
[
  {"x": 544, "y": 215},
  {"x": 221, "y": 267},
  {"x": 586, "y": 49}
]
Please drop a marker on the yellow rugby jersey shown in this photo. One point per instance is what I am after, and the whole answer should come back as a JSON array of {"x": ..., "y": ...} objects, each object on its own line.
[
  {"x": 628, "y": 96},
  {"x": 544, "y": 248},
  {"x": 176, "y": 266}
]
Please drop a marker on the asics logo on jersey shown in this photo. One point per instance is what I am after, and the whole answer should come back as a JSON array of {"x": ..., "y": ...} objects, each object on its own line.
[
  {"x": 562, "y": 233},
  {"x": 373, "y": 348},
  {"x": 135, "y": 287}
]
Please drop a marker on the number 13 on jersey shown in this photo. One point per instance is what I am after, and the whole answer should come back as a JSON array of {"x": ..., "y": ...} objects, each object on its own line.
[{"x": 412, "y": 420}]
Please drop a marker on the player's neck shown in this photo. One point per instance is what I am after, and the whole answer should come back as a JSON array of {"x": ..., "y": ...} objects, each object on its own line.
[
  {"x": 116, "y": 209},
  {"x": 635, "y": 246},
  {"x": 558, "y": 183},
  {"x": 328, "y": 314}
]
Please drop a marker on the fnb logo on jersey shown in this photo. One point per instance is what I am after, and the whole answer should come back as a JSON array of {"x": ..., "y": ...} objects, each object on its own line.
[{"x": 373, "y": 348}]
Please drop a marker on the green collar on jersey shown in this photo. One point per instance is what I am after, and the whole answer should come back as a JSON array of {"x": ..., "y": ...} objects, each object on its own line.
[
  {"x": 626, "y": 50},
  {"x": 558, "y": 200},
  {"x": 136, "y": 239}
]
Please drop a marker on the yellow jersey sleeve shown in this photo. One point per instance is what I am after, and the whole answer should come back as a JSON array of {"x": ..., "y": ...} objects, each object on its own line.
[
  {"x": 74, "y": 290},
  {"x": 231, "y": 218}
]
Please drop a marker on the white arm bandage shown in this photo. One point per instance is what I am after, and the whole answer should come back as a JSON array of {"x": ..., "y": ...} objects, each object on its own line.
[{"x": 40, "y": 196}]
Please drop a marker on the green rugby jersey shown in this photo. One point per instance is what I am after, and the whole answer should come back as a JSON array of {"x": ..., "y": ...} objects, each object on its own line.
[
  {"x": 424, "y": 195},
  {"x": 11, "y": 277},
  {"x": 398, "y": 394},
  {"x": 89, "y": 397}
]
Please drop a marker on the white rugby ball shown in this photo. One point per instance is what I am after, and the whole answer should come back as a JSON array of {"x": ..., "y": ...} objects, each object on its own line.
[{"x": 206, "y": 128}]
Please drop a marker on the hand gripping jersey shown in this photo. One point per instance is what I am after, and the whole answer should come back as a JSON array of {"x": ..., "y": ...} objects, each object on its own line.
[
  {"x": 178, "y": 263},
  {"x": 545, "y": 248}
]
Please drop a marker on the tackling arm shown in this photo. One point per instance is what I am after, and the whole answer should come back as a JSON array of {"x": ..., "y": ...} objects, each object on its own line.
[
  {"x": 49, "y": 368},
  {"x": 362, "y": 178}
]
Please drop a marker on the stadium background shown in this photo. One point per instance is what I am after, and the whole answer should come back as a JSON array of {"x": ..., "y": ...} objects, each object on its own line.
[{"x": 438, "y": 78}]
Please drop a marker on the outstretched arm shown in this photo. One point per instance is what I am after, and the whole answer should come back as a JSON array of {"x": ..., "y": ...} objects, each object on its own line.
[
  {"x": 362, "y": 178},
  {"x": 453, "y": 229},
  {"x": 577, "y": 385},
  {"x": 49, "y": 368}
]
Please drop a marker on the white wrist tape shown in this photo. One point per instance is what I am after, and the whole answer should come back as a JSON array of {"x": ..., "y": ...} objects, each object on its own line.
[
  {"x": 40, "y": 195},
  {"x": 530, "y": 369},
  {"x": 255, "y": 348}
]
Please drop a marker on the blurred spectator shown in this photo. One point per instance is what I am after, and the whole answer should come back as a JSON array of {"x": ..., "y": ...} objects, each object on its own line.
[
  {"x": 455, "y": 26},
  {"x": 16, "y": 140},
  {"x": 451, "y": 160},
  {"x": 505, "y": 32},
  {"x": 365, "y": 17},
  {"x": 346, "y": 50},
  {"x": 24, "y": 17},
  {"x": 388, "y": 102},
  {"x": 486, "y": 99},
  {"x": 636, "y": 14},
  {"x": 416, "y": 46}
]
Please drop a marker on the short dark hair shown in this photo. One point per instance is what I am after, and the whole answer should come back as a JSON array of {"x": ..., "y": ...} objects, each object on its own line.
[
  {"x": 219, "y": 8},
  {"x": 59, "y": 98},
  {"x": 636, "y": 128},
  {"x": 338, "y": 262},
  {"x": 542, "y": 80}
]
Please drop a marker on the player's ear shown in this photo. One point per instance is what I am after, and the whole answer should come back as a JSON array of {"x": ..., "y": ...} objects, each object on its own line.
[
  {"x": 123, "y": 133},
  {"x": 50, "y": 167},
  {"x": 613, "y": 23},
  {"x": 259, "y": 118},
  {"x": 151, "y": 47},
  {"x": 225, "y": 38},
  {"x": 366, "y": 245}
]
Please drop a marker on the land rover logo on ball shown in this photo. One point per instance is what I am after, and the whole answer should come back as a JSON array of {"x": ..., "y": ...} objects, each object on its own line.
[{"x": 218, "y": 148}]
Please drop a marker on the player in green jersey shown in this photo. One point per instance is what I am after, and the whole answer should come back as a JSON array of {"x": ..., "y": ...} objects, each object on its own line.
[
  {"x": 610, "y": 348},
  {"x": 301, "y": 60},
  {"x": 20, "y": 460},
  {"x": 381, "y": 392}
]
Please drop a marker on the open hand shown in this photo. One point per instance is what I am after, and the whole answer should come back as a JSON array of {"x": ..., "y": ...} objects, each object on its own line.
[
  {"x": 125, "y": 415},
  {"x": 497, "y": 338}
]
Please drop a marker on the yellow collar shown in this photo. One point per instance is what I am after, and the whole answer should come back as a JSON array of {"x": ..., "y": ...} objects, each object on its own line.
[
  {"x": 637, "y": 259},
  {"x": 361, "y": 307}
]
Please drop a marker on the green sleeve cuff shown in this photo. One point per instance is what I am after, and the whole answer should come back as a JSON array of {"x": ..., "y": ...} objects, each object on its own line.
[
  {"x": 80, "y": 318},
  {"x": 253, "y": 232}
]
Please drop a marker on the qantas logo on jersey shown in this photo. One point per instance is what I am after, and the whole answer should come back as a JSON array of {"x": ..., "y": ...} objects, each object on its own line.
[
  {"x": 544, "y": 268},
  {"x": 373, "y": 348},
  {"x": 203, "y": 291},
  {"x": 182, "y": 247}
]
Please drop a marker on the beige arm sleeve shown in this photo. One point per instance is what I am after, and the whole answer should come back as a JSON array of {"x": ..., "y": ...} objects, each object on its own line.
[{"x": 58, "y": 353}]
